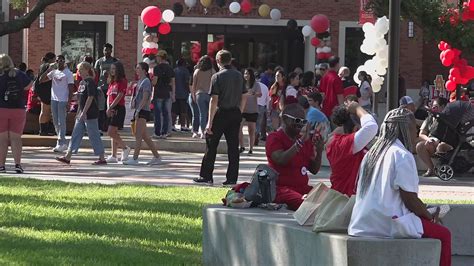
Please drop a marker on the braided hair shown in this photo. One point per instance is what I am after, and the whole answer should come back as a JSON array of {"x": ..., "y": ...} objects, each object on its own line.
[{"x": 396, "y": 125}]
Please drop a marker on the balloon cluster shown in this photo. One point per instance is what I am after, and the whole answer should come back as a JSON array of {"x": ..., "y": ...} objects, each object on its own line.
[
  {"x": 460, "y": 72},
  {"x": 320, "y": 25},
  {"x": 375, "y": 44},
  {"x": 468, "y": 11},
  {"x": 156, "y": 22}
]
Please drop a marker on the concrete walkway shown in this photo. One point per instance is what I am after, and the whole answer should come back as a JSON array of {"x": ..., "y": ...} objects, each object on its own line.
[{"x": 181, "y": 168}]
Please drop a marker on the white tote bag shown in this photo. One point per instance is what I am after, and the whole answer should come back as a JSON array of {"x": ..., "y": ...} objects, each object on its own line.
[
  {"x": 308, "y": 209},
  {"x": 335, "y": 212}
]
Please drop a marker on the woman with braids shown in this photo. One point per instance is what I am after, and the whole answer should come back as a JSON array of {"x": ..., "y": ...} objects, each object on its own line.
[{"x": 387, "y": 203}]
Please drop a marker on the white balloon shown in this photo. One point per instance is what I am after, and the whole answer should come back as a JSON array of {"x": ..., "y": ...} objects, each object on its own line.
[
  {"x": 383, "y": 52},
  {"x": 275, "y": 14},
  {"x": 168, "y": 15},
  {"x": 190, "y": 3},
  {"x": 356, "y": 78},
  {"x": 234, "y": 7},
  {"x": 381, "y": 71},
  {"x": 307, "y": 30},
  {"x": 150, "y": 45},
  {"x": 376, "y": 88},
  {"x": 319, "y": 50},
  {"x": 368, "y": 27},
  {"x": 326, "y": 49}
]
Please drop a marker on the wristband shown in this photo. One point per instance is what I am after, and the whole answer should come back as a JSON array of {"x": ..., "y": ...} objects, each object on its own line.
[{"x": 299, "y": 142}]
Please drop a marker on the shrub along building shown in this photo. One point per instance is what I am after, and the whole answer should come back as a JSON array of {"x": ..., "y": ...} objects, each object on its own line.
[{"x": 82, "y": 27}]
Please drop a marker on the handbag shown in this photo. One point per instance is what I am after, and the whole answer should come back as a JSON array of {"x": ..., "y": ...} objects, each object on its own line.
[
  {"x": 305, "y": 214},
  {"x": 262, "y": 188},
  {"x": 335, "y": 212}
]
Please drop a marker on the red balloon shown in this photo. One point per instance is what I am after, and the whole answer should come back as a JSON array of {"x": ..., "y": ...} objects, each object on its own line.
[
  {"x": 470, "y": 4},
  {"x": 450, "y": 85},
  {"x": 449, "y": 54},
  {"x": 144, "y": 50},
  {"x": 246, "y": 6},
  {"x": 151, "y": 16},
  {"x": 320, "y": 23},
  {"x": 315, "y": 41},
  {"x": 455, "y": 72},
  {"x": 164, "y": 28}
]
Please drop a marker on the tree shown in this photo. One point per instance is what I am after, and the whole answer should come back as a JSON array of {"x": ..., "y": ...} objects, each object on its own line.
[
  {"x": 27, "y": 19},
  {"x": 439, "y": 20}
]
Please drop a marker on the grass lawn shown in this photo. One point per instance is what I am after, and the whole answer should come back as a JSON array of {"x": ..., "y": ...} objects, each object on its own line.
[{"x": 57, "y": 223}]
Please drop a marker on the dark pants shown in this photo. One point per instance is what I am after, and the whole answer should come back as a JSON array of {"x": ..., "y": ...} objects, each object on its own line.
[{"x": 227, "y": 123}]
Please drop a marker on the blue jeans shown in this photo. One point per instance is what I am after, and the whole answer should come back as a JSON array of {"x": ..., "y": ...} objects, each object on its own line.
[
  {"x": 202, "y": 100},
  {"x": 261, "y": 114},
  {"x": 195, "y": 113},
  {"x": 59, "y": 112},
  {"x": 162, "y": 107},
  {"x": 92, "y": 127}
]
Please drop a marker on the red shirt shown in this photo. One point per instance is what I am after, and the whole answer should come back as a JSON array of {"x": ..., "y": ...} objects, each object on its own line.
[
  {"x": 344, "y": 164},
  {"x": 32, "y": 101},
  {"x": 294, "y": 174},
  {"x": 115, "y": 88},
  {"x": 331, "y": 86}
]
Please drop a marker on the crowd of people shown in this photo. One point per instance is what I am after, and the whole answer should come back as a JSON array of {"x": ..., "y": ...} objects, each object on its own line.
[{"x": 300, "y": 115}]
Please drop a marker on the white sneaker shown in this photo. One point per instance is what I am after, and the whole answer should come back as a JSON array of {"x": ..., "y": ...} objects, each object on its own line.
[
  {"x": 62, "y": 148},
  {"x": 56, "y": 149},
  {"x": 131, "y": 161},
  {"x": 125, "y": 153},
  {"x": 195, "y": 135},
  {"x": 111, "y": 159},
  {"x": 155, "y": 161}
]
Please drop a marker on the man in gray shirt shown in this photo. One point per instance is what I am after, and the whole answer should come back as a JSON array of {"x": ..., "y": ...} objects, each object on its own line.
[{"x": 225, "y": 114}]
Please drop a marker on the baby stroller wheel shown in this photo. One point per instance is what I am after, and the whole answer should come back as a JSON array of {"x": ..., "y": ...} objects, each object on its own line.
[{"x": 445, "y": 172}]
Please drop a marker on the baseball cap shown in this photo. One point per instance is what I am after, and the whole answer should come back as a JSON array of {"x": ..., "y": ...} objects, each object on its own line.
[{"x": 406, "y": 100}]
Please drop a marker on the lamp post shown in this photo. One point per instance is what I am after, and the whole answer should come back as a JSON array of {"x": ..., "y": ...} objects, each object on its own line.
[{"x": 394, "y": 54}]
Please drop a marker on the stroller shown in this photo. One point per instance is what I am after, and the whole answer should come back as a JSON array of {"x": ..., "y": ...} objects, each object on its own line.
[{"x": 456, "y": 128}]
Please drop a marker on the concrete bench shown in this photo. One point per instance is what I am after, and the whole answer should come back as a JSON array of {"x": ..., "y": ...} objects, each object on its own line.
[{"x": 260, "y": 237}]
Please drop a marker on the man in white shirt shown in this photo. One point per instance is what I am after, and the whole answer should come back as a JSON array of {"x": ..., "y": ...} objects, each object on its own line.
[
  {"x": 387, "y": 203},
  {"x": 262, "y": 102},
  {"x": 61, "y": 90}
]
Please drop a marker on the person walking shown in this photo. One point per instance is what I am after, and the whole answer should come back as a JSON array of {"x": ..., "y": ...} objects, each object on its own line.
[
  {"x": 163, "y": 94},
  {"x": 331, "y": 87},
  {"x": 102, "y": 66},
  {"x": 200, "y": 90},
  {"x": 43, "y": 91},
  {"x": 13, "y": 83},
  {"x": 263, "y": 102},
  {"x": 61, "y": 92},
  {"x": 195, "y": 125},
  {"x": 116, "y": 110},
  {"x": 228, "y": 98},
  {"x": 250, "y": 113},
  {"x": 276, "y": 90},
  {"x": 180, "y": 107},
  {"x": 86, "y": 119},
  {"x": 365, "y": 92},
  {"x": 141, "y": 103}
]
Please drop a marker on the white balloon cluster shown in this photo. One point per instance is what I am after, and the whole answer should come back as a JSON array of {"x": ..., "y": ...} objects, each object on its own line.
[{"x": 375, "y": 44}]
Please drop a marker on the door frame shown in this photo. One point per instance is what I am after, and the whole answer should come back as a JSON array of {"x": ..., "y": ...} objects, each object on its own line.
[
  {"x": 108, "y": 19},
  {"x": 343, "y": 25}
]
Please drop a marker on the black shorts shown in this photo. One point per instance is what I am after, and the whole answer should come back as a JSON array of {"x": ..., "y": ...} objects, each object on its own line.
[
  {"x": 250, "y": 117},
  {"x": 117, "y": 119},
  {"x": 44, "y": 94},
  {"x": 180, "y": 106},
  {"x": 144, "y": 114}
]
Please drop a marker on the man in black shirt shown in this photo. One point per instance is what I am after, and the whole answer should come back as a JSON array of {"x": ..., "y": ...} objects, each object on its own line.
[
  {"x": 228, "y": 98},
  {"x": 163, "y": 94},
  {"x": 102, "y": 68}
]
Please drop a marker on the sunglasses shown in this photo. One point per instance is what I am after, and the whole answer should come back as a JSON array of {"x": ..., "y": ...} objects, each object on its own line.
[{"x": 298, "y": 121}]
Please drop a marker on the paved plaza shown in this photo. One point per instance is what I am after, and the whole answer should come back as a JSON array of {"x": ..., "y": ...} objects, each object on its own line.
[{"x": 179, "y": 168}]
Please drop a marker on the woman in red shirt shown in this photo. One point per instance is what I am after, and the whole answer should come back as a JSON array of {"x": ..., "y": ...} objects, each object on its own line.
[
  {"x": 346, "y": 147},
  {"x": 116, "y": 110},
  {"x": 275, "y": 93}
]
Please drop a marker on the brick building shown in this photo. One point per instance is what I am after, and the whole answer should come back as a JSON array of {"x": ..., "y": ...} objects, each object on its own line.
[{"x": 84, "y": 26}]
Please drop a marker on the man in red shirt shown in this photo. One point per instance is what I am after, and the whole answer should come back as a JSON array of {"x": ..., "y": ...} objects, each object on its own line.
[
  {"x": 293, "y": 152},
  {"x": 331, "y": 87}
]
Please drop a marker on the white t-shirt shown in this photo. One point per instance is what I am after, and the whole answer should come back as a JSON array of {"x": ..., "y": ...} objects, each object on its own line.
[
  {"x": 265, "y": 98},
  {"x": 365, "y": 93},
  {"x": 372, "y": 214},
  {"x": 61, "y": 79},
  {"x": 291, "y": 91}
]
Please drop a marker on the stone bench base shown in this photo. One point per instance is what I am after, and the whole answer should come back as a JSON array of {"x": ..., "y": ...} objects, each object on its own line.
[{"x": 260, "y": 237}]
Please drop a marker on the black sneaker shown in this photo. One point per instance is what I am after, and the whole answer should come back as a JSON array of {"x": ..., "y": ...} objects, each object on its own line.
[
  {"x": 203, "y": 181},
  {"x": 242, "y": 149},
  {"x": 18, "y": 169},
  {"x": 3, "y": 169},
  {"x": 229, "y": 183}
]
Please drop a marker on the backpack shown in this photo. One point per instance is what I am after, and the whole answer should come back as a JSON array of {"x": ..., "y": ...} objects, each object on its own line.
[
  {"x": 13, "y": 92},
  {"x": 262, "y": 188}
]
